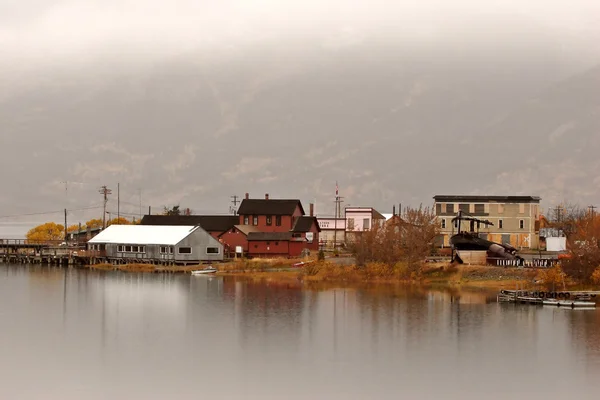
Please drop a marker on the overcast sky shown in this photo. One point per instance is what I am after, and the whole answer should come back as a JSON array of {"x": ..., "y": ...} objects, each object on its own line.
[
  {"x": 51, "y": 53},
  {"x": 37, "y": 29}
]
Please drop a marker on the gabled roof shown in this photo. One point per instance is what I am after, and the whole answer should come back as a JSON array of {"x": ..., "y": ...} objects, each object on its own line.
[
  {"x": 246, "y": 229},
  {"x": 210, "y": 223},
  {"x": 144, "y": 234},
  {"x": 269, "y": 207},
  {"x": 304, "y": 223},
  {"x": 261, "y": 236}
]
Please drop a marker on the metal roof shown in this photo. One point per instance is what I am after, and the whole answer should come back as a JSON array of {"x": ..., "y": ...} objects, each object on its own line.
[
  {"x": 144, "y": 234},
  {"x": 210, "y": 223}
]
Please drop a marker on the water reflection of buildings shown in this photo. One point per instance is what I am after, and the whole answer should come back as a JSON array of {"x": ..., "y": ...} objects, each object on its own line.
[{"x": 264, "y": 312}]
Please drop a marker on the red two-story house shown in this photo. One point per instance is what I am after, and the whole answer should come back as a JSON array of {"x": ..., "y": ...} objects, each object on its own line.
[{"x": 273, "y": 227}]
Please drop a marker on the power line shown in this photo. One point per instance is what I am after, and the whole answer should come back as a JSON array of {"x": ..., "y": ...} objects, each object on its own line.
[{"x": 49, "y": 212}]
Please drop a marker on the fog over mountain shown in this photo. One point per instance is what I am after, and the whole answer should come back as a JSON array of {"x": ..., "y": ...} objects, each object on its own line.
[{"x": 193, "y": 103}]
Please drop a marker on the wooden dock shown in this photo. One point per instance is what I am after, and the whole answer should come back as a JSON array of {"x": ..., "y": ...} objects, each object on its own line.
[{"x": 23, "y": 251}]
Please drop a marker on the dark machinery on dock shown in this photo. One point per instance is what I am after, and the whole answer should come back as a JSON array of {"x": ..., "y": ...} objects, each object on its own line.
[{"x": 471, "y": 241}]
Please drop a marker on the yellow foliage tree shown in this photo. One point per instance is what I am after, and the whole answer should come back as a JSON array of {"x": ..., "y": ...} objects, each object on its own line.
[
  {"x": 596, "y": 276},
  {"x": 46, "y": 232},
  {"x": 94, "y": 223},
  {"x": 74, "y": 228},
  {"x": 118, "y": 221}
]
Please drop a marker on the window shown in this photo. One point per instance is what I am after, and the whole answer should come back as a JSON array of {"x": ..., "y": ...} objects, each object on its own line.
[
  {"x": 246, "y": 220},
  {"x": 278, "y": 220},
  {"x": 450, "y": 208},
  {"x": 185, "y": 250},
  {"x": 134, "y": 249},
  {"x": 366, "y": 224},
  {"x": 464, "y": 208},
  {"x": 500, "y": 224},
  {"x": 438, "y": 209},
  {"x": 296, "y": 235},
  {"x": 254, "y": 220},
  {"x": 521, "y": 224},
  {"x": 128, "y": 249},
  {"x": 443, "y": 223},
  {"x": 142, "y": 249},
  {"x": 269, "y": 220},
  {"x": 479, "y": 208},
  {"x": 120, "y": 248},
  {"x": 212, "y": 250},
  {"x": 350, "y": 224},
  {"x": 163, "y": 249}
]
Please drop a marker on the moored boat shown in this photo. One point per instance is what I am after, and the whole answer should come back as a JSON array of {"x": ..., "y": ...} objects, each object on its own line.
[{"x": 208, "y": 270}]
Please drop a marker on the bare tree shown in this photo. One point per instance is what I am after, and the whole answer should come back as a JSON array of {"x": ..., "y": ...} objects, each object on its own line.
[
  {"x": 584, "y": 244},
  {"x": 408, "y": 239},
  {"x": 566, "y": 218}
]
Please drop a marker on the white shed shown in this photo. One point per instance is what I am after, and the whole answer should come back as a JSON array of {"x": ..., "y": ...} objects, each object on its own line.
[{"x": 180, "y": 244}]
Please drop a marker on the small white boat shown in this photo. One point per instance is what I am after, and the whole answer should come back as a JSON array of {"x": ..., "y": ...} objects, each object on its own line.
[{"x": 208, "y": 270}]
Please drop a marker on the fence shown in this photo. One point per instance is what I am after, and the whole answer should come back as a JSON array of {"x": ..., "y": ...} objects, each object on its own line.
[{"x": 532, "y": 263}]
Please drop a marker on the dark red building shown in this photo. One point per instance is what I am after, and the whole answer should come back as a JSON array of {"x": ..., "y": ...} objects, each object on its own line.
[{"x": 273, "y": 227}]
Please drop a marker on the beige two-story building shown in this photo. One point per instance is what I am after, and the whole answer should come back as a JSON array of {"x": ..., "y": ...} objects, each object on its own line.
[{"x": 514, "y": 218}]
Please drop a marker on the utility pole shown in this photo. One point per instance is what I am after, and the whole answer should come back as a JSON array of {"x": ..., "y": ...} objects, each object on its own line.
[
  {"x": 105, "y": 192},
  {"x": 66, "y": 237},
  {"x": 337, "y": 214},
  {"x": 118, "y": 202},
  {"x": 592, "y": 208},
  {"x": 140, "y": 190},
  {"x": 235, "y": 202}
]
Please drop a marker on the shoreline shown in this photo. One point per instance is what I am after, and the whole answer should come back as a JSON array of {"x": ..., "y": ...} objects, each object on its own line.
[{"x": 333, "y": 275}]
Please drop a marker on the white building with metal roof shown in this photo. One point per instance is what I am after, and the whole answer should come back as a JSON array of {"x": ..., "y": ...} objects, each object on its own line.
[{"x": 178, "y": 244}]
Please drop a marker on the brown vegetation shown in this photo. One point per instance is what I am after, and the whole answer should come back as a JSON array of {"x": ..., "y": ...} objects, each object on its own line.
[
  {"x": 582, "y": 230},
  {"x": 401, "y": 243}
]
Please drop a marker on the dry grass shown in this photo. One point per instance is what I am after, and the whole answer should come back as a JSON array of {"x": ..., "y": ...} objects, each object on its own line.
[{"x": 326, "y": 273}]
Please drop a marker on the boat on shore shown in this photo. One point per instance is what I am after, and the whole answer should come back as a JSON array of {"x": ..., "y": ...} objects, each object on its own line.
[
  {"x": 208, "y": 270},
  {"x": 523, "y": 297}
]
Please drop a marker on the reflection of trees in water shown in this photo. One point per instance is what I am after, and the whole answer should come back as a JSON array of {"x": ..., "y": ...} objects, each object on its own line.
[
  {"x": 264, "y": 309},
  {"x": 585, "y": 333}
]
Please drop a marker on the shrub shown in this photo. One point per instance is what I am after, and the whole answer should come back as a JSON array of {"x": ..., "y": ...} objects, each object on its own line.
[
  {"x": 595, "y": 278},
  {"x": 321, "y": 255},
  {"x": 552, "y": 277}
]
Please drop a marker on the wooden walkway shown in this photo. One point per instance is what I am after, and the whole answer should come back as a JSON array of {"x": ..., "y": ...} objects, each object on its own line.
[{"x": 23, "y": 251}]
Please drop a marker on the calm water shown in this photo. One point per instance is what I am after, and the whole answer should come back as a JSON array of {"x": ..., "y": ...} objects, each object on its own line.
[{"x": 94, "y": 335}]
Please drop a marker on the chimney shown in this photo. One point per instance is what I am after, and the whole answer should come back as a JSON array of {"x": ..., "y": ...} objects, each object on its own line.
[
  {"x": 312, "y": 209},
  {"x": 394, "y": 210},
  {"x": 247, "y": 196},
  {"x": 266, "y": 196}
]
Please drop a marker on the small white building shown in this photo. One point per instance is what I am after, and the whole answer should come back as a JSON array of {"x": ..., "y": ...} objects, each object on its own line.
[
  {"x": 333, "y": 230},
  {"x": 360, "y": 219},
  {"x": 178, "y": 244}
]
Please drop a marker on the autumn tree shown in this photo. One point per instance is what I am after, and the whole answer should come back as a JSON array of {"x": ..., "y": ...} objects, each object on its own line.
[
  {"x": 118, "y": 221},
  {"x": 94, "y": 223},
  {"x": 50, "y": 231},
  {"x": 584, "y": 245},
  {"x": 407, "y": 239},
  {"x": 74, "y": 228}
]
